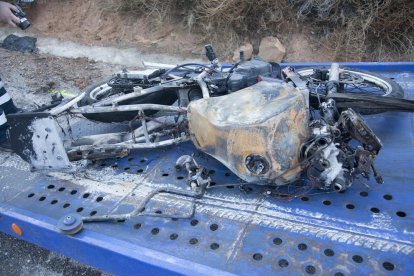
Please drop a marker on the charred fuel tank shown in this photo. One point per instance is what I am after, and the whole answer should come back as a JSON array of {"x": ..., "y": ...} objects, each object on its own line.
[{"x": 256, "y": 132}]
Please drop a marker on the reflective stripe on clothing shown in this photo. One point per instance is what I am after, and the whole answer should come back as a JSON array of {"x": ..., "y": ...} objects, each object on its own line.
[
  {"x": 3, "y": 118},
  {"x": 4, "y": 98},
  {"x": 6, "y": 102}
]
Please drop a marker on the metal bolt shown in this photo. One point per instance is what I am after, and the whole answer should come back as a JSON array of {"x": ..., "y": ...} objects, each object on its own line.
[{"x": 69, "y": 220}]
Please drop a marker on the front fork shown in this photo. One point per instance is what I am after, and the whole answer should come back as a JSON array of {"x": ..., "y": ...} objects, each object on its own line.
[
  {"x": 333, "y": 83},
  {"x": 332, "y": 86}
]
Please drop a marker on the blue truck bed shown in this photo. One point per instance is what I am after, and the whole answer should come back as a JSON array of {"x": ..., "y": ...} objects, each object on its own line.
[{"x": 366, "y": 230}]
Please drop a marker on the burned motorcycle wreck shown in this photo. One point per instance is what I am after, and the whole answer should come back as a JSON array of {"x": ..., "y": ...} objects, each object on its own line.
[
  {"x": 265, "y": 135},
  {"x": 280, "y": 129}
]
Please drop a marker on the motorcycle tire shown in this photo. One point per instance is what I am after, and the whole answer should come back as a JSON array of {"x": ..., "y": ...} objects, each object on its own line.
[
  {"x": 164, "y": 98},
  {"x": 389, "y": 88}
]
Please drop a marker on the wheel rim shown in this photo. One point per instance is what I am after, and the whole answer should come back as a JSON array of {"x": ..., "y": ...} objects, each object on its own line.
[{"x": 371, "y": 84}]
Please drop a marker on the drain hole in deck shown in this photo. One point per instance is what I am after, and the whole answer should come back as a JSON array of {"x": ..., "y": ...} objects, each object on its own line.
[
  {"x": 350, "y": 206},
  {"x": 93, "y": 213},
  {"x": 277, "y": 241},
  {"x": 61, "y": 189},
  {"x": 194, "y": 222},
  {"x": 230, "y": 187},
  {"x": 79, "y": 210},
  {"x": 304, "y": 198},
  {"x": 283, "y": 263},
  {"x": 327, "y": 202},
  {"x": 131, "y": 158},
  {"x": 302, "y": 246},
  {"x": 246, "y": 189},
  {"x": 212, "y": 183},
  {"x": 213, "y": 227},
  {"x": 388, "y": 266},
  {"x": 66, "y": 205},
  {"x": 137, "y": 226},
  {"x": 329, "y": 252},
  {"x": 155, "y": 231},
  {"x": 193, "y": 241},
  {"x": 143, "y": 160},
  {"x": 51, "y": 186},
  {"x": 339, "y": 274},
  {"x": 401, "y": 214},
  {"x": 120, "y": 220},
  {"x": 115, "y": 165},
  {"x": 375, "y": 210},
  {"x": 99, "y": 199},
  {"x": 42, "y": 198},
  {"x": 165, "y": 174},
  {"x": 159, "y": 212},
  {"x": 227, "y": 174},
  {"x": 53, "y": 202},
  {"x": 257, "y": 256},
  {"x": 86, "y": 195},
  {"x": 31, "y": 195},
  {"x": 358, "y": 259},
  {"x": 140, "y": 171},
  {"x": 387, "y": 197},
  {"x": 363, "y": 194},
  {"x": 214, "y": 246},
  {"x": 310, "y": 269},
  {"x": 180, "y": 177},
  {"x": 126, "y": 169},
  {"x": 73, "y": 192},
  {"x": 174, "y": 219},
  {"x": 173, "y": 236}
]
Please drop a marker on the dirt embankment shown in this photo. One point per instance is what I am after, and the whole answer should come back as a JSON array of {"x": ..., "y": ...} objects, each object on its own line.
[
  {"x": 86, "y": 22},
  {"x": 335, "y": 30}
]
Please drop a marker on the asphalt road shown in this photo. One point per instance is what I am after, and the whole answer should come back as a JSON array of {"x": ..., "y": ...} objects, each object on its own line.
[{"x": 18, "y": 257}]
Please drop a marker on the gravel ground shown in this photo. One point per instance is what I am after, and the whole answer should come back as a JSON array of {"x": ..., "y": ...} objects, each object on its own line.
[
  {"x": 31, "y": 79},
  {"x": 18, "y": 257}
]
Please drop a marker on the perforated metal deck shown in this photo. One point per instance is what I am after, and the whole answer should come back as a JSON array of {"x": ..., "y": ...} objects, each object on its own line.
[{"x": 363, "y": 231}]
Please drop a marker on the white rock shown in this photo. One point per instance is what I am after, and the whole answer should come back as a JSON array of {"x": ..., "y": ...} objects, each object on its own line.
[
  {"x": 271, "y": 49},
  {"x": 247, "y": 48}
]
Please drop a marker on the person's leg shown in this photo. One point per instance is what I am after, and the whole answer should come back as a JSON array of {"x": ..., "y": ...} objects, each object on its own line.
[
  {"x": 6, "y": 103},
  {"x": 3, "y": 126},
  {"x": 6, "y": 107}
]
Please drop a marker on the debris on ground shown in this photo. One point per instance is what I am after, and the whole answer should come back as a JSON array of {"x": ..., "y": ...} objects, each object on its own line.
[{"x": 25, "y": 44}]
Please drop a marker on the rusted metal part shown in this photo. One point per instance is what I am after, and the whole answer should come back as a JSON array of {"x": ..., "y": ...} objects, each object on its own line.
[{"x": 256, "y": 132}]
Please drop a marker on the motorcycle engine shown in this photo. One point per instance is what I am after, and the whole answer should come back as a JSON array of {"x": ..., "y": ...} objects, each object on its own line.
[{"x": 341, "y": 148}]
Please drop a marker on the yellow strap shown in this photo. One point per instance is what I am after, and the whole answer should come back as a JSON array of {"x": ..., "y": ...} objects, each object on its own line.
[{"x": 64, "y": 93}]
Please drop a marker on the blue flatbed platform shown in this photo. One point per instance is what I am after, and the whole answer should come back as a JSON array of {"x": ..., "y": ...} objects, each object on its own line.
[{"x": 235, "y": 231}]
